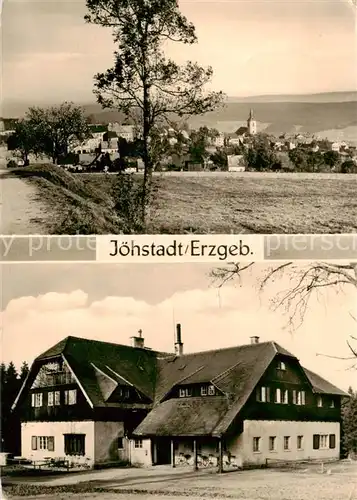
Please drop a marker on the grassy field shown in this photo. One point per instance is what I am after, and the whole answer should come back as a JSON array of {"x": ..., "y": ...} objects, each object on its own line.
[
  {"x": 205, "y": 202},
  {"x": 335, "y": 482},
  {"x": 257, "y": 203}
]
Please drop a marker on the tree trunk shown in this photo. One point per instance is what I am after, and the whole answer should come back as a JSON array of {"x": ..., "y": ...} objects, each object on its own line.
[{"x": 146, "y": 156}]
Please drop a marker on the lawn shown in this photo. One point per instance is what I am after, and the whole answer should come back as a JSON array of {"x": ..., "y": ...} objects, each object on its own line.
[
  {"x": 249, "y": 202},
  {"x": 337, "y": 481},
  {"x": 256, "y": 203},
  {"x": 203, "y": 202}
]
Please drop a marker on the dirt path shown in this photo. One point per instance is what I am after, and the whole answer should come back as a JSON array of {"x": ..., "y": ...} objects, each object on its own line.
[{"x": 21, "y": 211}]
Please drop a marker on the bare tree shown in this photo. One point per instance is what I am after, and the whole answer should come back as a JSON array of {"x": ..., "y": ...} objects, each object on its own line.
[{"x": 305, "y": 283}]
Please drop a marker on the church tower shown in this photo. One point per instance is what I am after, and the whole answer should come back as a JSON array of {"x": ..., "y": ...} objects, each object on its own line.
[{"x": 251, "y": 124}]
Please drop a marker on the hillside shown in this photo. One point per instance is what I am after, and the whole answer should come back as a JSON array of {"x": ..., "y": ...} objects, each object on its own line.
[
  {"x": 274, "y": 117},
  {"x": 332, "y": 115},
  {"x": 317, "y": 98}
]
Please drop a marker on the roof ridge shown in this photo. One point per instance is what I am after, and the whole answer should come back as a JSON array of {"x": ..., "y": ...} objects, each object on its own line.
[
  {"x": 225, "y": 348},
  {"x": 74, "y": 337}
]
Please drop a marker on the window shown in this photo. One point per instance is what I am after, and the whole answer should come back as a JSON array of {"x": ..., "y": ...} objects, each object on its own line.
[
  {"x": 272, "y": 442},
  {"x": 299, "y": 442},
  {"x": 138, "y": 443},
  {"x": 285, "y": 397},
  {"x": 263, "y": 394},
  {"x": 211, "y": 390},
  {"x": 281, "y": 366},
  {"x": 332, "y": 441},
  {"x": 319, "y": 401},
  {"x": 120, "y": 443},
  {"x": 203, "y": 390},
  {"x": 53, "y": 398},
  {"x": 70, "y": 397},
  {"x": 185, "y": 392},
  {"x": 127, "y": 394},
  {"x": 278, "y": 395},
  {"x": 298, "y": 397},
  {"x": 43, "y": 443},
  {"x": 36, "y": 399},
  {"x": 286, "y": 443},
  {"x": 256, "y": 444},
  {"x": 301, "y": 398},
  {"x": 332, "y": 403},
  {"x": 74, "y": 444},
  {"x": 322, "y": 441}
]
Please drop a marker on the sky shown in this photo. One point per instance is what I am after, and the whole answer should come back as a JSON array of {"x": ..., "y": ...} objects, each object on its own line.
[
  {"x": 254, "y": 46},
  {"x": 44, "y": 303}
]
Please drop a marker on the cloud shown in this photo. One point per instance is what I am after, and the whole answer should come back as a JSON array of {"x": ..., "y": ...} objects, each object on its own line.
[{"x": 209, "y": 320}]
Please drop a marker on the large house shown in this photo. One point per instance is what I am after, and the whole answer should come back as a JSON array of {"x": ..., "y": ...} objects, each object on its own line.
[{"x": 95, "y": 402}]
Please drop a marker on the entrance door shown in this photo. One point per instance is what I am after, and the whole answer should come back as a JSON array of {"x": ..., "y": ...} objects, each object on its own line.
[{"x": 163, "y": 451}]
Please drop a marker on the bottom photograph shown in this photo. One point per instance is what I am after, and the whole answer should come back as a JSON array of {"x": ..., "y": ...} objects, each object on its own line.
[{"x": 167, "y": 380}]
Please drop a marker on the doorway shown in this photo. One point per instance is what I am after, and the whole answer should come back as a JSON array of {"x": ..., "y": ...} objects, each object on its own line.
[{"x": 163, "y": 451}]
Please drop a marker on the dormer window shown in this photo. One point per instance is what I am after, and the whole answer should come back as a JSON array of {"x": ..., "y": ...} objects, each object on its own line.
[
  {"x": 319, "y": 401},
  {"x": 185, "y": 392},
  {"x": 204, "y": 390},
  {"x": 281, "y": 366},
  {"x": 211, "y": 390}
]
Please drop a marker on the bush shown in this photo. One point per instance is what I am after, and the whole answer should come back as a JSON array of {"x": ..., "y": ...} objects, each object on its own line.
[{"x": 127, "y": 195}]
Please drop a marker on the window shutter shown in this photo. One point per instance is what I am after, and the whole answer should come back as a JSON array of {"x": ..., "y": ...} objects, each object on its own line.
[
  {"x": 32, "y": 399},
  {"x": 34, "y": 443},
  {"x": 51, "y": 443},
  {"x": 332, "y": 441},
  {"x": 316, "y": 442}
]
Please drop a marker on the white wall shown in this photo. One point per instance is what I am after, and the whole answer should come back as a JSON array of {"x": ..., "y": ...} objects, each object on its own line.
[
  {"x": 141, "y": 456},
  {"x": 57, "y": 429},
  {"x": 242, "y": 446}
]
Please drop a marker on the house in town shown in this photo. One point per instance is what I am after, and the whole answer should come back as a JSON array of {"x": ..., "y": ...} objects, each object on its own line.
[
  {"x": 94, "y": 402},
  {"x": 127, "y": 132}
]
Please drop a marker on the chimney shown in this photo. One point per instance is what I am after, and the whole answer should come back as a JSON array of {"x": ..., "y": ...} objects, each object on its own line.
[
  {"x": 178, "y": 343},
  {"x": 254, "y": 340},
  {"x": 138, "y": 341}
]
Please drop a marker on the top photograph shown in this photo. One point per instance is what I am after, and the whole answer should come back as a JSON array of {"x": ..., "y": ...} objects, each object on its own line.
[{"x": 178, "y": 117}]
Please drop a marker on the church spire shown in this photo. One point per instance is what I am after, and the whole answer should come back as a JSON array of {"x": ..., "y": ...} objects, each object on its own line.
[{"x": 251, "y": 124}]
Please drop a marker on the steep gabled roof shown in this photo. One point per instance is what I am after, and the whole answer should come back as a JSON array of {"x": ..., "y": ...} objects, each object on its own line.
[
  {"x": 124, "y": 364},
  {"x": 101, "y": 367},
  {"x": 226, "y": 368},
  {"x": 235, "y": 371},
  {"x": 322, "y": 386}
]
